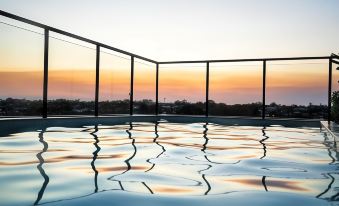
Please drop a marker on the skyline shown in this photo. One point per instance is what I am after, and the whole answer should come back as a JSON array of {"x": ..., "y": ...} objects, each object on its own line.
[
  {"x": 115, "y": 84},
  {"x": 72, "y": 75},
  {"x": 72, "y": 69}
]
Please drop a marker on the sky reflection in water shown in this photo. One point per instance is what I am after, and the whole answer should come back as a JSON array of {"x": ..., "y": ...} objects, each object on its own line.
[{"x": 59, "y": 164}]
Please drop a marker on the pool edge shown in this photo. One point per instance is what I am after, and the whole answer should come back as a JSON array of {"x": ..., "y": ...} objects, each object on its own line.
[
  {"x": 25, "y": 124},
  {"x": 332, "y": 128}
]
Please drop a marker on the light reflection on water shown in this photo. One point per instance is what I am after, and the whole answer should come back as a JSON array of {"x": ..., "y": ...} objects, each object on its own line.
[{"x": 195, "y": 159}]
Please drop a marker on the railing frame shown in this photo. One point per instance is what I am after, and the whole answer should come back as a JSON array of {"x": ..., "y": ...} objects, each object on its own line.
[
  {"x": 45, "y": 81},
  {"x": 207, "y": 88},
  {"x": 329, "y": 104},
  {"x": 263, "y": 112},
  {"x": 131, "y": 87},
  {"x": 97, "y": 78},
  {"x": 333, "y": 59},
  {"x": 157, "y": 90}
]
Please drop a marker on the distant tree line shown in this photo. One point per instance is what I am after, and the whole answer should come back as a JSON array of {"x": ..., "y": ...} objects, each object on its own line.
[
  {"x": 335, "y": 106},
  {"x": 23, "y": 107}
]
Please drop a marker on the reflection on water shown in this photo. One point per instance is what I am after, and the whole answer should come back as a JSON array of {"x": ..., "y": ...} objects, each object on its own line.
[
  {"x": 95, "y": 156},
  {"x": 166, "y": 158},
  {"x": 262, "y": 141},
  {"x": 40, "y": 168}
]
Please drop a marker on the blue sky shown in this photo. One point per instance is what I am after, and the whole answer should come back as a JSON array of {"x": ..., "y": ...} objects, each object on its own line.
[{"x": 195, "y": 29}]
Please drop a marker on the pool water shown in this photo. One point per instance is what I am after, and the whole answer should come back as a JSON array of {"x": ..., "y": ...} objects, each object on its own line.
[{"x": 164, "y": 163}]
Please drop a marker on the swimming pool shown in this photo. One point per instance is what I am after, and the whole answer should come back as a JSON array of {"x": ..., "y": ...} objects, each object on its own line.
[{"x": 167, "y": 163}]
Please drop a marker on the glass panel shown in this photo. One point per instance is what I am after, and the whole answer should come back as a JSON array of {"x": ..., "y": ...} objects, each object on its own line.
[
  {"x": 71, "y": 78},
  {"x": 235, "y": 89},
  {"x": 297, "y": 89},
  {"x": 144, "y": 87},
  {"x": 182, "y": 89},
  {"x": 21, "y": 69},
  {"x": 115, "y": 76}
]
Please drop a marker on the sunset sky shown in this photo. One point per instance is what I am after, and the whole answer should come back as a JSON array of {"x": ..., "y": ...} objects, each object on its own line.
[{"x": 172, "y": 30}]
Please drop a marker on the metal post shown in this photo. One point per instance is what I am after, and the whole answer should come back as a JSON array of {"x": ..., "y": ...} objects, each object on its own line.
[
  {"x": 207, "y": 86},
  {"x": 131, "y": 88},
  {"x": 329, "y": 89},
  {"x": 157, "y": 90},
  {"x": 264, "y": 90},
  {"x": 97, "y": 70},
  {"x": 45, "y": 86}
]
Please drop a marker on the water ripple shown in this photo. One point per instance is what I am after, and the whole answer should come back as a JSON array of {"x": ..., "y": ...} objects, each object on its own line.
[{"x": 162, "y": 158}]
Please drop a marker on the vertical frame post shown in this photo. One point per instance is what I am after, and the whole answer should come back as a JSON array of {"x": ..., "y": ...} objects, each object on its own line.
[
  {"x": 45, "y": 86},
  {"x": 329, "y": 106},
  {"x": 157, "y": 90},
  {"x": 97, "y": 74},
  {"x": 131, "y": 88},
  {"x": 207, "y": 87},
  {"x": 263, "y": 90}
]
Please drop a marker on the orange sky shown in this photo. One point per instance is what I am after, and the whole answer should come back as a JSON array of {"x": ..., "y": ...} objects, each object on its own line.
[
  {"x": 72, "y": 76},
  {"x": 227, "y": 84}
]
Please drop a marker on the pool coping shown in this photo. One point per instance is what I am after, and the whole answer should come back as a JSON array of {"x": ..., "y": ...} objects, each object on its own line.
[
  {"x": 332, "y": 128},
  {"x": 13, "y": 125},
  {"x": 229, "y": 120}
]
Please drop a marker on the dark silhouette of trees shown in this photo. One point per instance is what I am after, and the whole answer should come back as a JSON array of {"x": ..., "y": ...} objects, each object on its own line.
[
  {"x": 23, "y": 107},
  {"x": 335, "y": 106},
  {"x": 222, "y": 109},
  {"x": 145, "y": 106},
  {"x": 19, "y": 107},
  {"x": 114, "y": 107}
]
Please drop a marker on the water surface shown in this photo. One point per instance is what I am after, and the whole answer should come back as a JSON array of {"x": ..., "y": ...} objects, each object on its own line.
[{"x": 166, "y": 163}]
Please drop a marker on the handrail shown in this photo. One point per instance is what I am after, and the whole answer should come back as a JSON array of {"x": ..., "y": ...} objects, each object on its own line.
[{"x": 247, "y": 60}]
